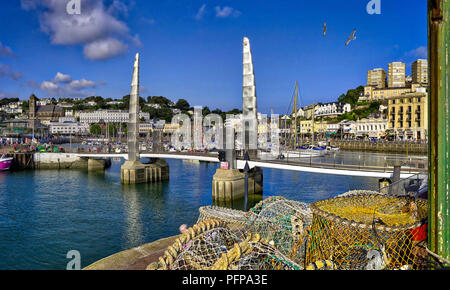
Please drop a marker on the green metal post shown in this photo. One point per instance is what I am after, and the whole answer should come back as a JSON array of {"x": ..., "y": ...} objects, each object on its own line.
[{"x": 438, "y": 128}]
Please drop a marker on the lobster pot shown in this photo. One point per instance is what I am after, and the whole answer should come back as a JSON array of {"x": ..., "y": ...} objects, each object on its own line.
[{"x": 368, "y": 231}]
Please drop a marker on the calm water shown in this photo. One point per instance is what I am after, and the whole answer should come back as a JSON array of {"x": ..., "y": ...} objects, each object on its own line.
[{"x": 44, "y": 214}]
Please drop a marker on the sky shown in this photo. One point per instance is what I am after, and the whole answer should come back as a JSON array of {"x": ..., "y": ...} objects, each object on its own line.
[{"x": 192, "y": 49}]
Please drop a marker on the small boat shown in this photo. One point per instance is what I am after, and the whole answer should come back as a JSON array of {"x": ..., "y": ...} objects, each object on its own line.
[
  {"x": 304, "y": 153},
  {"x": 333, "y": 148},
  {"x": 5, "y": 162}
]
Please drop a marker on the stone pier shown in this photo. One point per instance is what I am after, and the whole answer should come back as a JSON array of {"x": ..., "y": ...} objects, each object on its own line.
[
  {"x": 134, "y": 172},
  {"x": 229, "y": 184},
  {"x": 96, "y": 164}
]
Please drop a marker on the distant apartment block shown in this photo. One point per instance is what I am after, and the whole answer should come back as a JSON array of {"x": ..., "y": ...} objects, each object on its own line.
[
  {"x": 377, "y": 78},
  {"x": 419, "y": 70},
  {"x": 109, "y": 116},
  {"x": 396, "y": 75},
  {"x": 408, "y": 115}
]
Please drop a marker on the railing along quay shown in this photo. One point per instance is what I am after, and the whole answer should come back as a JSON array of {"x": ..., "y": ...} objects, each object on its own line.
[{"x": 398, "y": 147}]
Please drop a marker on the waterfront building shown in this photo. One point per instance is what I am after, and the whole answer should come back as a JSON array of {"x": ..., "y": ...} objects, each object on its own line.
[
  {"x": 372, "y": 93},
  {"x": 170, "y": 128},
  {"x": 374, "y": 126},
  {"x": 396, "y": 75},
  {"x": 348, "y": 127},
  {"x": 308, "y": 111},
  {"x": 145, "y": 128},
  {"x": 420, "y": 71},
  {"x": 109, "y": 116},
  {"x": 333, "y": 127},
  {"x": 377, "y": 78},
  {"x": 68, "y": 128},
  {"x": 306, "y": 126},
  {"x": 408, "y": 115},
  {"x": 332, "y": 109}
]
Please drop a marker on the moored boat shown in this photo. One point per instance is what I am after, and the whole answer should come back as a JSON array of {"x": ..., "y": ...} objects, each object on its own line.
[{"x": 5, "y": 162}]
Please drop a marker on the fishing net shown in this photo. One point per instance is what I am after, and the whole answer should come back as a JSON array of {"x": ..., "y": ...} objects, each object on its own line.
[
  {"x": 368, "y": 231},
  {"x": 211, "y": 245},
  {"x": 280, "y": 221},
  {"x": 284, "y": 224}
]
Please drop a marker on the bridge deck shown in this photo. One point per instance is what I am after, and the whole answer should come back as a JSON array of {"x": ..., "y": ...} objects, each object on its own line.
[{"x": 313, "y": 167}]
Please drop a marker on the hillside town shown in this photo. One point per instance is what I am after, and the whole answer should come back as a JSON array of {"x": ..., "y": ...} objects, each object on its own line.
[{"x": 391, "y": 106}]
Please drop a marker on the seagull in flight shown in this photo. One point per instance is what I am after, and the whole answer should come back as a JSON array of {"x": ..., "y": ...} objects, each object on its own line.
[
  {"x": 351, "y": 37},
  {"x": 324, "y": 28}
]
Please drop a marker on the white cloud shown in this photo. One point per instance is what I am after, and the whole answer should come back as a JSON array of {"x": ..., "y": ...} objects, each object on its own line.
[
  {"x": 200, "y": 12},
  {"x": 81, "y": 84},
  {"x": 96, "y": 26},
  {"x": 61, "y": 86},
  {"x": 104, "y": 49},
  {"x": 62, "y": 78},
  {"x": 227, "y": 11},
  {"x": 420, "y": 52},
  {"x": 49, "y": 86}
]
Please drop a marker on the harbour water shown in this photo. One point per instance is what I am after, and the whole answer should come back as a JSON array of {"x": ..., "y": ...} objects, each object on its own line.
[{"x": 46, "y": 213}]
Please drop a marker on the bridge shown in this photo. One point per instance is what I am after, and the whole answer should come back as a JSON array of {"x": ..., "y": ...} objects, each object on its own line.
[{"x": 294, "y": 165}]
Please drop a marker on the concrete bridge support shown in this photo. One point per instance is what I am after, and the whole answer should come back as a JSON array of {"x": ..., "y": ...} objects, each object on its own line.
[
  {"x": 229, "y": 184},
  {"x": 96, "y": 164},
  {"x": 134, "y": 172}
]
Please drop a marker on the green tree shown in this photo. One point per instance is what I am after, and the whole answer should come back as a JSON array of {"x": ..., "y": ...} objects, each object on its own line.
[
  {"x": 160, "y": 100},
  {"x": 95, "y": 130},
  {"x": 183, "y": 105},
  {"x": 352, "y": 96},
  {"x": 112, "y": 130},
  {"x": 25, "y": 106},
  {"x": 206, "y": 111}
]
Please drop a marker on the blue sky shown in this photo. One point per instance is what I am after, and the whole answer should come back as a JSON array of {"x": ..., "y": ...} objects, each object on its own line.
[{"x": 192, "y": 49}]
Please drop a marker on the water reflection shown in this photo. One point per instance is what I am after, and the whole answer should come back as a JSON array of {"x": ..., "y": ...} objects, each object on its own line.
[
  {"x": 238, "y": 204},
  {"x": 132, "y": 208}
]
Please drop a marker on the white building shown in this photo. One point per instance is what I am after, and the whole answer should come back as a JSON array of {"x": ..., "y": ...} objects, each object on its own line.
[
  {"x": 331, "y": 109},
  {"x": 374, "y": 126},
  {"x": 145, "y": 128},
  {"x": 115, "y": 103},
  {"x": 333, "y": 127},
  {"x": 109, "y": 116},
  {"x": 69, "y": 128},
  {"x": 349, "y": 127},
  {"x": 67, "y": 119}
]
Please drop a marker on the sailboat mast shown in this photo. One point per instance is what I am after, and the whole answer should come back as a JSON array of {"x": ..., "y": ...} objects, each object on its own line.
[
  {"x": 295, "y": 113},
  {"x": 313, "y": 111}
]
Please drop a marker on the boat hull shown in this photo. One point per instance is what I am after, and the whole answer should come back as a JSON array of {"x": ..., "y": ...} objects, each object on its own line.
[{"x": 5, "y": 164}]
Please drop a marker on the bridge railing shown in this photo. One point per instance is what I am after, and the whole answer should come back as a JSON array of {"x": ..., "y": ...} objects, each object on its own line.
[
  {"x": 347, "y": 161},
  {"x": 416, "y": 184}
]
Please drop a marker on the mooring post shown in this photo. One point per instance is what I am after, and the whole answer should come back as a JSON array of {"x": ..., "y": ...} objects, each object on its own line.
[{"x": 439, "y": 127}]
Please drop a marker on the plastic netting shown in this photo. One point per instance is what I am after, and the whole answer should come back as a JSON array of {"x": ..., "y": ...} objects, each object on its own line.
[
  {"x": 211, "y": 245},
  {"x": 368, "y": 231},
  {"x": 356, "y": 230}
]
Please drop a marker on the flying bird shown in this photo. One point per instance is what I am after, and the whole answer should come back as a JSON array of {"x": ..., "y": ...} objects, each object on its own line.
[
  {"x": 324, "y": 28},
  {"x": 351, "y": 37}
]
